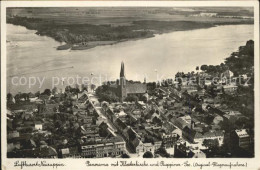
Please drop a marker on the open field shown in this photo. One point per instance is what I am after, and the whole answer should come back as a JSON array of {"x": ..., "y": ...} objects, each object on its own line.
[
  {"x": 125, "y": 16},
  {"x": 83, "y": 27}
]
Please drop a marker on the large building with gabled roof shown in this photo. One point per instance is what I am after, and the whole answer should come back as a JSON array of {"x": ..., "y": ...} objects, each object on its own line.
[{"x": 127, "y": 88}]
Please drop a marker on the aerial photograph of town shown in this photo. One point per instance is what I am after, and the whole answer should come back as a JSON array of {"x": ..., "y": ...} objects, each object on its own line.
[{"x": 130, "y": 82}]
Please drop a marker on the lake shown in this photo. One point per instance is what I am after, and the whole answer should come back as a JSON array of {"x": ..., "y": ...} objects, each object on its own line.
[{"x": 33, "y": 57}]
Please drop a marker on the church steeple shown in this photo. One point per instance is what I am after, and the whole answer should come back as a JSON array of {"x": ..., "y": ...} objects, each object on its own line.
[
  {"x": 122, "y": 71},
  {"x": 122, "y": 82}
]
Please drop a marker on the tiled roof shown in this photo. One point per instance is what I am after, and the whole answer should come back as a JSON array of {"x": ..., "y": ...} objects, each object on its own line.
[
  {"x": 133, "y": 88},
  {"x": 65, "y": 151},
  {"x": 148, "y": 144},
  {"x": 120, "y": 123},
  {"x": 242, "y": 133},
  {"x": 131, "y": 133},
  {"x": 198, "y": 135},
  {"x": 37, "y": 153},
  {"x": 51, "y": 151},
  {"x": 136, "y": 142},
  {"x": 219, "y": 133},
  {"x": 181, "y": 122},
  {"x": 110, "y": 112},
  {"x": 44, "y": 97},
  {"x": 73, "y": 150},
  {"x": 209, "y": 134},
  {"x": 192, "y": 133}
]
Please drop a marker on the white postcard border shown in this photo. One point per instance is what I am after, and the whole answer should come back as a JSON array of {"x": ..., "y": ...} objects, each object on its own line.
[{"x": 7, "y": 163}]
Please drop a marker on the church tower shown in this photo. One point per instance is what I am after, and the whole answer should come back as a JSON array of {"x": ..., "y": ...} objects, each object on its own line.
[{"x": 122, "y": 83}]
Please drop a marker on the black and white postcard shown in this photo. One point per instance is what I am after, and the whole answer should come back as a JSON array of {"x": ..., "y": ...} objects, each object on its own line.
[{"x": 120, "y": 85}]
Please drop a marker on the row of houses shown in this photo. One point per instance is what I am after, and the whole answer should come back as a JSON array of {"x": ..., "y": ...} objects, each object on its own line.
[
  {"x": 99, "y": 148},
  {"x": 134, "y": 138}
]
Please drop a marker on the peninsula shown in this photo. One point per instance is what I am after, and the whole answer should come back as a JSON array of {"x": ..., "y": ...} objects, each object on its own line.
[{"x": 94, "y": 27}]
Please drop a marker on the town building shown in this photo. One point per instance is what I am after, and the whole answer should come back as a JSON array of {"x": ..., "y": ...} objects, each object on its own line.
[
  {"x": 240, "y": 138},
  {"x": 169, "y": 140},
  {"x": 71, "y": 152},
  {"x": 127, "y": 88},
  {"x": 100, "y": 148},
  {"x": 230, "y": 89},
  {"x": 38, "y": 126},
  {"x": 181, "y": 150}
]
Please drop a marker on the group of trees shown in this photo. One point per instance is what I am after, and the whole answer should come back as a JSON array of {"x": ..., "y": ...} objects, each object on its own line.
[
  {"x": 148, "y": 154},
  {"x": 108, "y": 96},
  {"x": 105, "y": 94},
  {"x": 214, "y": 150},
  {"x": 151, "y": 86},
  {"x": 25, "y": 96},
  {"x": 214, "y": 70},
  {"x": 211, "y": 144},
  {"x": 241, "y": 62},
  {"x": 183, "y": 75},
  {"x": 77, "y": 33},
  {"x": 63, "y": 124},
  {"x": 18, "y": 97},
  {"x": 243, "y": 102},
  {"x": 132, "y": 98},
  {"x": 9, "y": 99},
  {"x": 162, "y": 151}
]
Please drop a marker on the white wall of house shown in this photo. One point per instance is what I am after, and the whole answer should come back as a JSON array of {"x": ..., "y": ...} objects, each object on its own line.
[{"x": 38, "y": 126}]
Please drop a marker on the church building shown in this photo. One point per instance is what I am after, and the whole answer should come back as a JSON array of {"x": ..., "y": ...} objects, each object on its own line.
[{"x": 128, "y": 88}]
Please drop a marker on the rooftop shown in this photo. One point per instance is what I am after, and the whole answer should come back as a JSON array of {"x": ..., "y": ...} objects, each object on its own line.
[{"x": 242, "y": 133}]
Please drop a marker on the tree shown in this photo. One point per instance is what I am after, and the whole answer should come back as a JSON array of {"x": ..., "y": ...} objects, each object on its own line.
[
  {"x": 50, "y": 127},
  {"x": 68, "y": 103},
  {"x": 204, "y": 67},
  {"x": 162, "y": 151},
  {"x": 37, "y": 94},
  {"x": 58, "y": 124},
  {"x": 108, "y": 97},
  {"x": 93, "y": 86},
  {"x": 143, "y": 98},
  {"x": 75, "y": 91},
  {"x": 84, "y": 87},
  {"x": 242, "y": 122},
  {"x": 27, "y": 130},
  {"x": 9, "y": 99},
  {"x": 242, "y": 62},
  {"x": 211, "y": 144},
  {"x": 47, "y": 92},
  {"x": 54, "y": 90},
  {"x": 76, "y": 86},
  {"x": 148, "y": 154},
  {"x": 125, "y": 155},
  {"x": 151, "y": 86},
  {"x": 103, "y": 130},
  {"x": 17, "y": 98},
  {"x": 67, "y": 89},
  {"x": 148, "y": 139},
  {"x": 132, "y": 98},
  {"x": 25, "y": 96}
]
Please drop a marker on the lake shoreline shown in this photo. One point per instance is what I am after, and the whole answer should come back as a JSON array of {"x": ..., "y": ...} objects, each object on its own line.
[
  {"x": 88, "y": 36},
  {"x": 169, "y": 53},
  {"x": 94, "y": 44}
]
